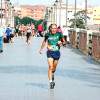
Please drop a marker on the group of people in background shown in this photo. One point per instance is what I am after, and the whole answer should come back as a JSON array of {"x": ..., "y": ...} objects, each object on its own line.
[
  {"x": 7, "y": 35},
  {"x": 28, "y": 30}
]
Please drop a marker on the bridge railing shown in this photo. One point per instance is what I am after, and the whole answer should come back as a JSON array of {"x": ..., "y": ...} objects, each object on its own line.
[{"x": 87, "y": 42}]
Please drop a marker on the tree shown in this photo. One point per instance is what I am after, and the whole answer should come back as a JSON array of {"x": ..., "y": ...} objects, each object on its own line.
[
  {"x": 44, "y": 24},
  {"x": 27, "y": 20},
  {"x": 17, "y": 20},
  {"x": 80, "y": 20}
]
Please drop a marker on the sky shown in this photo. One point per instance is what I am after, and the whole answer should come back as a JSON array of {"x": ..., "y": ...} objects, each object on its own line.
[{"x": 48, "y": 2}]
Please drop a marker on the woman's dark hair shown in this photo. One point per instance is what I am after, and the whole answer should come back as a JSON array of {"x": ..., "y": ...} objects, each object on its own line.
[{"x": 58, "y": 27}]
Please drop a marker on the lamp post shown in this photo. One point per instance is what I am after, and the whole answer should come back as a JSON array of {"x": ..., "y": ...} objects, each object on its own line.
[
  {"x": 51, "y": 14},
  {"x": 75, "y": 16},
  {"x": 86, "y": 14},
  {"x": 12, "y": 16},
  {"x": 66, "y": 11},
  {"x": 10, "y": 12},
  {"x": 60, "y": 15},
  {"x": 1, "y": 12},
  {"x": 56, "y": 10}
]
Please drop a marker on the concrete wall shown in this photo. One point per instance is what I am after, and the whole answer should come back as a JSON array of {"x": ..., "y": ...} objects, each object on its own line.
[{"x": 87, "y": 42}]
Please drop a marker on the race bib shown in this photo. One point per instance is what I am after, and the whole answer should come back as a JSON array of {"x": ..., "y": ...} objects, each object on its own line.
[{"x": 54, "y": 48}]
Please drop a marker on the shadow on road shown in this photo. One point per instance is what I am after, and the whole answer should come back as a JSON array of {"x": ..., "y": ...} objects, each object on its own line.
[{"x": 40, "y": 85}]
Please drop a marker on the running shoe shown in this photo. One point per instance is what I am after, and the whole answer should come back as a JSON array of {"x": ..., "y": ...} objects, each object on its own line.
[{"x": 51, "y": 85}]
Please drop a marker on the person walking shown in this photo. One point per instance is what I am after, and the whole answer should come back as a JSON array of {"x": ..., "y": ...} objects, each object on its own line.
[
  {"x": 8, "y": 30},
  {"x": 53, "y": 46},
  {"x": 1, "y": 38},
  {"x": 40, "y": 30}
]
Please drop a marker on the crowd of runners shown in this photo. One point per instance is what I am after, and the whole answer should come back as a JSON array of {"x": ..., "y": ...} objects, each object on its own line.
[{"x": 28, "y": 31}]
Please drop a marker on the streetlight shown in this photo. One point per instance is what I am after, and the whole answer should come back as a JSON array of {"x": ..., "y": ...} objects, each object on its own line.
[
  {"x": 10, "y": 11},
  {"x": 66, "y": 11},
  {"x": 51, "y": 11},
  {"x": 12, "y": 16},
  {"x": 86, "y": 14},
  {"x": 60, "y": 15},
  {"x": 1, "y": 12},
  {"x": 56, "y": 10},
  {"x": 75, "y": 16}
]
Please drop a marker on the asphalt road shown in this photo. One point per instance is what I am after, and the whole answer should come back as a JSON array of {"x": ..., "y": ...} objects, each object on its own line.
[{"x": 24, "y": 74}]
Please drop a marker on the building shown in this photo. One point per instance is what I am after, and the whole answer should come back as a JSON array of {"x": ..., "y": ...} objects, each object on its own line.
[
  {"x": 6, "y": 13},
  {"x": 35, "y": 12},
  {"x": 56, "y": 13},
  {"x": 96, "y": 15}
]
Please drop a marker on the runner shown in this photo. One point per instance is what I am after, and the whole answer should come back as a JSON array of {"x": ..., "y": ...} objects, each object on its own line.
[
  {"x": 12, "y": 35},
  {"x": 28, "y": 35},
  {"x": 22, "y": 30},
  {"x": 17, "y": 30},
  {"x": 54, "y": 41},
  {"x": 33, "y": 29},
  {"x": 40, "y": 30}
]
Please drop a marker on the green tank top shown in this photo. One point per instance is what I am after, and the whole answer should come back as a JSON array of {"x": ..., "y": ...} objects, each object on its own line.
[{"x": 53, "y": 39}]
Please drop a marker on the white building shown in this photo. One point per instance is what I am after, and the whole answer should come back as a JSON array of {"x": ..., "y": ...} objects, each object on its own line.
[
  {"x": 6, "y": 13},
  {"x": 56, "y": 13}
]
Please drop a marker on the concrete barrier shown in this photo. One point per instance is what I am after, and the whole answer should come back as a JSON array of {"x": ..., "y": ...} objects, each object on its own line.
[
  {"x": 73, "y": 35},
  {"x": 87, "y": 42},
  {"x": 96, "y": 46}
]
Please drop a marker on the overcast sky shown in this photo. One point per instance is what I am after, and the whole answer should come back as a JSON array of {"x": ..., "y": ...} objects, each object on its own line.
[{"x": 48, "y": 2}]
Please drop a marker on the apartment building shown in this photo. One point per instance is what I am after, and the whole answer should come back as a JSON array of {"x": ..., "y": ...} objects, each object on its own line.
[
  {"x": 96, "y": 15},
  {"x": 35, "y": 12},
  {"x": 6, "y": 13}
]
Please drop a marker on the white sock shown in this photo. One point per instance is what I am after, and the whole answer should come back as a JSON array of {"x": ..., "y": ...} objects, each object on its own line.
[{"x": 50, "y": 81}]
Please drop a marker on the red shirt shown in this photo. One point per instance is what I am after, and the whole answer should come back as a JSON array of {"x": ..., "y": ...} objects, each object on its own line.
[{"x": 40, "y": 28}]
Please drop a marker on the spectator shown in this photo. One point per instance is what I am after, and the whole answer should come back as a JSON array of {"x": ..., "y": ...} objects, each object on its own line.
[
  {"x": 59, "y": 30},
  {"x": 1, "y": 38},
  {"x": 65, "y": 32},
  {"x": 8, "y": 30}
]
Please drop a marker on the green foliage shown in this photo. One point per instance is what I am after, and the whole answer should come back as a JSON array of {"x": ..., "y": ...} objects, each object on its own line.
[
  {"x": 17, "y": 20},
  {"x": 80, "y": 20},
  {"x": 44, "y": 24},
  {"x": 27, "y": 20}
]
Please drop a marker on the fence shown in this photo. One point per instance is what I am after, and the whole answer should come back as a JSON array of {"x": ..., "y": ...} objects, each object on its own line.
[{"x": 87, "y": 42}]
